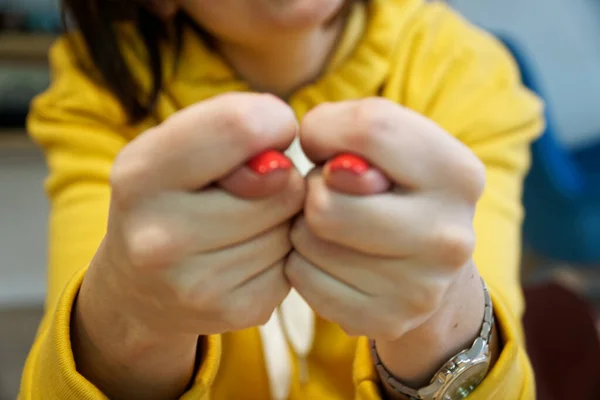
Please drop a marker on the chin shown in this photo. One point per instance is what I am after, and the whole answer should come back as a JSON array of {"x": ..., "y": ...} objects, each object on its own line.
[{"x": 300, "y": 14}]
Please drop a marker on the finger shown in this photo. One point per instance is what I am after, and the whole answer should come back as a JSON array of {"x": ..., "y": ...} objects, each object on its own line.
[
  {"x": 385, "y": 225},
  {"x": 253, "y": 302},
  {"x": 246, "y": 184},
  {"x": 171, "y": 226},
  {"x": 409, "y": 148},
  {"x": 331, "y": 299},
  {"x": 372, "y": 275},
  {"x": 204, "y": 143},
  {"x": 352, "y": 175},
  {"x": 267, "y": 174},
  {"x": 377, "y": 276},
  {"x": 217, "y": 219},
  {"x": 206, "y": 276},
  {"x": 249, "y": 304}
]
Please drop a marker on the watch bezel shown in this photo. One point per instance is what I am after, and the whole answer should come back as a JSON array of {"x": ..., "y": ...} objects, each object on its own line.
[{"x": 455, "y": 369}]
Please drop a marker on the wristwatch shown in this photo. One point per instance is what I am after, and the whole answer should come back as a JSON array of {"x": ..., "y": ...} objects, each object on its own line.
[{"x": 459, "y": 376}]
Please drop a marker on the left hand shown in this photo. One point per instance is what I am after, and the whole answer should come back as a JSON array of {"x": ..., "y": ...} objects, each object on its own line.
[{"x": 379, "y": 262}]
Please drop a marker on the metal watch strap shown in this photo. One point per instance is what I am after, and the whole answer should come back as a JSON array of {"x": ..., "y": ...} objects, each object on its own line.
[{"x": 413, "y": 394}]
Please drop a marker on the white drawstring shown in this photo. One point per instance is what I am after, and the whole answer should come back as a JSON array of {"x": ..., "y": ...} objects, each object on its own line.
[
  {"x": 277, "y": 358},
  {"x": 298, "y": 323},
  {"x": 292, "y": 325}
]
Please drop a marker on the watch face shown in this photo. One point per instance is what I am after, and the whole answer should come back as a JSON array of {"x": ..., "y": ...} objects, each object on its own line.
[{"x": 466, "y": 383}]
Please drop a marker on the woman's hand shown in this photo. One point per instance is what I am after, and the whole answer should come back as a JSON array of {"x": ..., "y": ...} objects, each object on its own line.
[
  {"x": 196, "y": 242},
  {"x": 394, "y": 265}
]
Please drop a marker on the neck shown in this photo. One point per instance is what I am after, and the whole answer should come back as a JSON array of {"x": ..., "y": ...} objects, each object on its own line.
[{"x": 282, "y": 64}]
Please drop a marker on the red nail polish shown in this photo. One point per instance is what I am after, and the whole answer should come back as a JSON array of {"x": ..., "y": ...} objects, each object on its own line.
[
  {"x": 269, "y": 161},
  {"x": 349, "y": 162}
]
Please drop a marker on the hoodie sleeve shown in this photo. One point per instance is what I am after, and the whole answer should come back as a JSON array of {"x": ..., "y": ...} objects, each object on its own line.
[{"x": 465, "y": 80}]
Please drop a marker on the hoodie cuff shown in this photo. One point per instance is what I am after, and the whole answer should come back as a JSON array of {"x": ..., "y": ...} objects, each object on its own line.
[
  {"x": 51, "y": 373},
  {"x": 511, "y": 378}
]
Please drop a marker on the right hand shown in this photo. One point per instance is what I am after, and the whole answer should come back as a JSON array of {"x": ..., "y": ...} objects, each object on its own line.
[{"x": 196, "y": 239}]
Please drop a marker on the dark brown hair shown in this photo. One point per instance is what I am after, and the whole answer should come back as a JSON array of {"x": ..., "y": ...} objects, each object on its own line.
[{"x": 97, "y": 21}]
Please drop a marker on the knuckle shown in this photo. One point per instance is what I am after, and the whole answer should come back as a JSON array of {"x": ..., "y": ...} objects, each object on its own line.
[
  {"x": 243, "y": 125},
  {"x": 126, "y": 171},
  {"x": 454, "y": 245},
  {"x": 151, "y": 246},
  {"x": 474, "y": 173},
  {"x": 309, "y": 126},
  {"x": 371, "y": 119},
  {"x": 246, "y": 118}
]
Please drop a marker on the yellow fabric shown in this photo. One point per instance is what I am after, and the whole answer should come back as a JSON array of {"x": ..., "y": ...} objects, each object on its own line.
[{"x": 421, "y": 55}]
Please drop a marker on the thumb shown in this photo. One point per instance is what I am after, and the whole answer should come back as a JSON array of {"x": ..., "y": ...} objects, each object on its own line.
[
  {"x": 351, "y": 174},
  {"x": 263, "y": 176}
]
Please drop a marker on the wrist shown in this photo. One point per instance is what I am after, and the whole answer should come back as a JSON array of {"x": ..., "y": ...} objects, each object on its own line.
[
  {"x": 417, "y": 356},
  {"x": 111, "y": 313},
  {"x": 121, "y": 356}
]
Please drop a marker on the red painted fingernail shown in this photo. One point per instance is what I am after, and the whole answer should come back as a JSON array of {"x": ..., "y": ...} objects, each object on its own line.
[
  {"x": 349, "y": 162},
  {"x": 269, "y": 161}
]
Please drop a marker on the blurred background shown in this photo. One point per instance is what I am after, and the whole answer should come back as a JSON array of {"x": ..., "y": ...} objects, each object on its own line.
[{"x": 557, "y": 43}]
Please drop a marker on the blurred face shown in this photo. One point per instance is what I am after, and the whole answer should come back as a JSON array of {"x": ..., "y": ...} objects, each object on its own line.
[{"x": 247, "y": 21}]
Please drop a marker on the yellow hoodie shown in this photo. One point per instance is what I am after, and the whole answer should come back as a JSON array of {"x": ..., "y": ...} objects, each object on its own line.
[{"x": 419, "y": 54}]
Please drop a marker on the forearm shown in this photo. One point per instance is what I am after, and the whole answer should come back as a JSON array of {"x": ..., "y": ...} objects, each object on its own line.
[
  {"x": 122, "y": 360},
  {"x": 418, "y": 355}
]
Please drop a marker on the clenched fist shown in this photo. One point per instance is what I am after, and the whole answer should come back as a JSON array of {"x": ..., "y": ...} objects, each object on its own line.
[
  {"x": 197, "y": 237},
  {"x": 381, "y": 263}
]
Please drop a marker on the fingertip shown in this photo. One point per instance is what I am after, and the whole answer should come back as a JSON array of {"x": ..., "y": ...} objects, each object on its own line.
[
  {"x": 311, "y": 130},
  {"x": 350, "y": 163},
  {"x": 246, "y": 183},
  {"x": 372, "y": 182},
  {"x": 283, "y": 119},
  {"x": 269, "y": 161},
  {"x": 352, "y": 174}
]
